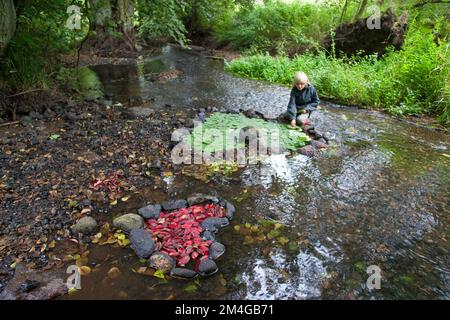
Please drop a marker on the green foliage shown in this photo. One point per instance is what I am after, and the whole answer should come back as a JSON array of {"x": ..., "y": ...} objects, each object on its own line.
[
  {"x": 277, "y": 26},
  {"x": 162, "y": 19},
  {"x": 411, "y": 81},
  {"x": 212, "y": 135},
  {"x": 31, "y": 56},
  {"x": 88, "y": 83}
]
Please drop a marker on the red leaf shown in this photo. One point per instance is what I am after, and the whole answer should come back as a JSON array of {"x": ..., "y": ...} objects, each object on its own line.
[{"x": 184, "y": 260}]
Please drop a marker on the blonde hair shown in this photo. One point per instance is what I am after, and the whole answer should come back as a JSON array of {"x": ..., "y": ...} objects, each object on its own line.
[{"x": 301, "y": 77}]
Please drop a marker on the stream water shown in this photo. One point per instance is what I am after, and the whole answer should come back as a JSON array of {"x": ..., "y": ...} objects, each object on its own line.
[{"x": 378, "y": 196}]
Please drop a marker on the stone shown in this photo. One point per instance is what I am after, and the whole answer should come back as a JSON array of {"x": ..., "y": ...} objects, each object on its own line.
[
  {"x": 151, "y": 211},
  {"x": 139, "y": 112},
  {"x": 173, "y": 205},
  {"x": 189, "y": 123},
  {"x": 161, "y": 261},
  {"x": 183, "y": 273},
  {"x": 86, "y": 225},
  {"x": 71, "y": 116},
  {"x": 25, "y": 120},
  {"x": 216, "y": 250},
  {"x": 114, "y": 273},
  {"x": 318, "y": 145},
  {"x": 201, "y": 116},
  {"x": 142, "y": 243},
  {"x": 230, "y": 210},
  {"x": 309, "y": 151},
  {"x": 207, "y": 235},
  {"x": 207, "y": 267},
  {"x": 28, "y": 285},
  {"x": 36, "y": 115},
  {"x": 128, "y": 222},
  {"x": 199, "y": 198},
  {"x": 213, "y": 224}
]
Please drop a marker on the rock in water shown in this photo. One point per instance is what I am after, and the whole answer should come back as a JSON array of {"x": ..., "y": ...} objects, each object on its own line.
[
  {"x": 318, "y": 144},
  {"x": 174, "y": 205},
  {"x": 183, "y": 273},
  {"x": 85, "y": 225},
  {"x": 230, "y": 210},
  {"x": 201, "y": 198},
  {"x": 28, "y": 285},
  {"x": 213, "y": 224},
  {"x": 142, "y": 243},
  {"x": 151, "y": 211},
  {"x": 161, "y": 261},
  {"x": 207, "y": 235},
  {"x": 128, "y": 222},
  {"x": 309, "y": 151},
  {"x": 216, "y": 250},
  {"x": 114, "y": 273},
  {"x": 207, "y": 267}
]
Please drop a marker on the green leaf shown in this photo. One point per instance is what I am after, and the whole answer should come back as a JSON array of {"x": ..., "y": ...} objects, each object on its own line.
[
  {"x": 273, "y": 234},
  {"x": 283, "y": 240},
  {"x": 159, "y": 274},
  {"x": 73, "y": 203},
  {"x": 292, "y": 246},
  {"x": 54, "y": 137},
  {"x": 191, "y": 288}
]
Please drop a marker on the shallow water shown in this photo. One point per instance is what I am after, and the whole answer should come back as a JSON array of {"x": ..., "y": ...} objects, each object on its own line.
[{"x": 378, "y": 196}]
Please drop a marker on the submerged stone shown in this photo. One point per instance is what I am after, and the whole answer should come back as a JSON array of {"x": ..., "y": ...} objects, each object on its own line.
[
  {"x": 201, "y": 198},
  {"x": 207, "y": 235},
  {"x": 174, "y": 205},
  {"x": 184, "y": 273},
  {"x": 151, "y": 211},
  {"x": 128, "y": 222},
  {"x": 216, "y": 250},
  {"x": 161, "y": 261},
  {"x": 230, "y": 210},
  {"x": 309, "y": 151},
  {"x": 85, "y": 225},
  {"x": 207, "y": 267},
  {"x": 213, "y": 224},
  {"x": 142, "y": 243}
]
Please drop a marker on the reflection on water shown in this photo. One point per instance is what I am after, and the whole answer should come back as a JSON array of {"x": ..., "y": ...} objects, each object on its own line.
[{"x": 378, "y": 196}]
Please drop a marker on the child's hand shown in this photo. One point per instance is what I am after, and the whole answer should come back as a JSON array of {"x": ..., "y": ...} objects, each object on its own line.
[{"x": 293, "y": 123}]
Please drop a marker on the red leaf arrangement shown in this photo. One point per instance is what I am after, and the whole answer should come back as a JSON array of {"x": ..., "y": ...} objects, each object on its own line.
[{"x": 177, "y": 233}]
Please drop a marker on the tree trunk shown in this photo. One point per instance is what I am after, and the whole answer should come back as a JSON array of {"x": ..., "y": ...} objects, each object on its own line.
[
  {"x": 116, "y": 16},
  {"x": 7, "y": 23},
  {"x": 361, "y": 10}
]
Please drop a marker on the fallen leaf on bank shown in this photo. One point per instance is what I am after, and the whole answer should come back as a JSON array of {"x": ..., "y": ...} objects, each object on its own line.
[
  {"x": 85, "y": 270},
  {"x": 159, "y": 274}
]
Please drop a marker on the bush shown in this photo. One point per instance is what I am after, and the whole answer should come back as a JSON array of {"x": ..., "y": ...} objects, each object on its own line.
[{"x": 277, "y": 26}]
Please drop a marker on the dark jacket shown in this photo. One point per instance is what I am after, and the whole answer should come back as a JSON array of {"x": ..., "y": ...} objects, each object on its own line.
[{"x": 304, "y": 99}]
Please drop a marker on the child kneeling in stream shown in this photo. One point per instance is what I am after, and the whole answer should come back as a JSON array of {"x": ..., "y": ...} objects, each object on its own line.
[{"x": 303, "y": 101}]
